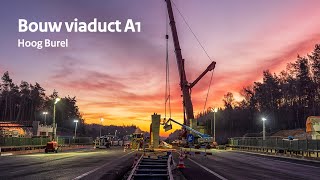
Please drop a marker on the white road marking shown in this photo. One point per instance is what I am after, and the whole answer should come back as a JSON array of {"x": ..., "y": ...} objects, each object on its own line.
[
  {"x": 282, "y": 160},
  {"x": 208, "y": 170},
  {"x": 21, "y": 170},
  {"x": 94, "y": 170},
  {"x": 293, "y": 163},
  {"x": 7, "y": 154}
]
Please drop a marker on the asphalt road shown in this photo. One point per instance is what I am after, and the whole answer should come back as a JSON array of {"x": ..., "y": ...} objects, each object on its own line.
[
  {"x": 84, "y": 164},
  {"x": 235, "y": 165},
  {"x": 113, "y": 163}
]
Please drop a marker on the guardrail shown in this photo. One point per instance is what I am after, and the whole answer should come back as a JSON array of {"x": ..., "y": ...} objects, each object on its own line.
[
  {"x": 23, "y": 143},
  {"x": 75, "y": 141},
  {"x": 276, "y": 144}
]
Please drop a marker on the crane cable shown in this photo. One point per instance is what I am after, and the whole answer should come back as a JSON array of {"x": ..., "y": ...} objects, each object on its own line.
[
  {"x": 204, "y": 50},
  {"x": 167, "y": 91},
  {"x": 205, "y": 103},
  {"x": 185, "y": 21}
]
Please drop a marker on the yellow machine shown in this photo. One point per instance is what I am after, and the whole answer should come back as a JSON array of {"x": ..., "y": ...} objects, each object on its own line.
[{"x": 136, "y": 140}]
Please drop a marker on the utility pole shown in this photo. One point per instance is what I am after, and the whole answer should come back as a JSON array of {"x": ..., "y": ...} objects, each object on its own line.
[
  {"x": 215, "y": 110},
  {"x": 75, "y": 128},
  {"x": 214, "y": 124},
  {"x": 264, "y": 128},
  {"x": 45, "y": 117},
  {"x": 184, "y": 84},
  {"x": 54, "y": 134},
  {"x": 101, "y": 120}
]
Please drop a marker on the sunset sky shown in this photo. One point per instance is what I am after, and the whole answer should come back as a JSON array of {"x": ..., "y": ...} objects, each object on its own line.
[{"x": 121, "y": 76}]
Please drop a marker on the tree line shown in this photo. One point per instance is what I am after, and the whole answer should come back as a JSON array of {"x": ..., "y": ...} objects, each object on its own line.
[
  {"x": 285, "y": 99},
  {"x": 27, "y": 102},
  {"x": 120, "y": 131}
]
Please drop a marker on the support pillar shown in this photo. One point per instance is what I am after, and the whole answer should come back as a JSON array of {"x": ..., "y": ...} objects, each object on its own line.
[{"x": 155, "y": 130}]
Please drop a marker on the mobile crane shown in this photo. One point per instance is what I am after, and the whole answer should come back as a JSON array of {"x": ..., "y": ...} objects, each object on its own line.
[
  {"x": 184, "y": 84},
  {"x": 203, "y": 139}
]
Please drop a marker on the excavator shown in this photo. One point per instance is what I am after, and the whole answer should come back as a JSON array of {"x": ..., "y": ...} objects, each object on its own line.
[{"x": 184, "y": 84}]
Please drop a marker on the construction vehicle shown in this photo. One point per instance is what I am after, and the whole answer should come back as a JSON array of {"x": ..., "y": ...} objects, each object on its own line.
[
  {"x": 137, "y": 139},
  {"x": 103, "y": 142},
  {"x": 201, "y": 139},
  {"x": 52, "y": 146},
  {"x": 185, "y": 85}
]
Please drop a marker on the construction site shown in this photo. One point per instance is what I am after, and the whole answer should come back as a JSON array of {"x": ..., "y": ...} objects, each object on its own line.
[{"x": 223, "y": 121}]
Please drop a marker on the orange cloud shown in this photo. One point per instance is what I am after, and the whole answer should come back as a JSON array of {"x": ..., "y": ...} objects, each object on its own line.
[{"x": 122, "y": 102}]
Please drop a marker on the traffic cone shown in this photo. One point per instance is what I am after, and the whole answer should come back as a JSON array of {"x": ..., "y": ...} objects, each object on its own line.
[
  {"x": 181, "y": 163},
  {"x": 135, "y": 160}
]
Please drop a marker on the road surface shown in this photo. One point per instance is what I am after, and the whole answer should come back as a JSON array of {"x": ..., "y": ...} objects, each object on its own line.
[
  {"x": 236, "y": 165},
  {"x": 84, "y": 164},
  {"x": 113, "y": 163}
]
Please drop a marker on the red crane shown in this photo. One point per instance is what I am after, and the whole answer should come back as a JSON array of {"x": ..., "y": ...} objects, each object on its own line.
[{"x": 184, "y": 84}]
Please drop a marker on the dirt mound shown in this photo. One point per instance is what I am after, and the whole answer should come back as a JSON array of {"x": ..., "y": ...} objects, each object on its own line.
[{"x": 296, "y": 133}]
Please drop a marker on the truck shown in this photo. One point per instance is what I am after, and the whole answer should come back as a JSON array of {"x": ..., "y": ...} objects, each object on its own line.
[{"x": 103, "y": 142}]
